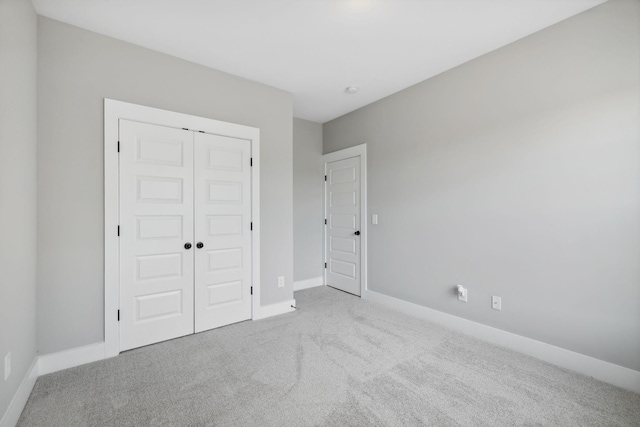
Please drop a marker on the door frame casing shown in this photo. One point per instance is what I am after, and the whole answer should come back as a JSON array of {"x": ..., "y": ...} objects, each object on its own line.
[
  {"x": 355, "y": 151},
  {"x": 113, "y": 112}
]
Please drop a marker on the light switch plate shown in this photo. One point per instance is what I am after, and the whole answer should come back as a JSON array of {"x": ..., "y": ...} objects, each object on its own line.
[{"x": 7, "y": 366}]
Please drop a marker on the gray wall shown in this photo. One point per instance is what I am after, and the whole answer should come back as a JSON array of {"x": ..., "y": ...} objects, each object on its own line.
[
  {"x": 76, "y": 70},
  {"x": 308, "y": 187},
  {"x": 18, "y": 65},
  {"x": 517, "y": 174}
]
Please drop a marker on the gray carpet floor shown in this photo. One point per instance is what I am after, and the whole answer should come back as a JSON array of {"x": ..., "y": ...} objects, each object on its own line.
[{"x": 336, "y": 361}]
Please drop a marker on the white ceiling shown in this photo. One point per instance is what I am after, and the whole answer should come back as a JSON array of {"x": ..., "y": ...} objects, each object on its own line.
[{"x": 316, "y": 48}]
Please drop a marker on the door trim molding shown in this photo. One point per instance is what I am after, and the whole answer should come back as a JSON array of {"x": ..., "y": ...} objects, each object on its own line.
[
  {"x": 355, "y": 151},
  {"x": 115, "y": 110}
]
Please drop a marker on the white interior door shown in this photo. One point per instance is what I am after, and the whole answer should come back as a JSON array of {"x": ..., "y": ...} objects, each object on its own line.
[
  {"x": 342, "y": 244},
  {"x": 156, "y": 221},
  {"x": 223, "y": 230},
  {"x": 185, "y": 232}
]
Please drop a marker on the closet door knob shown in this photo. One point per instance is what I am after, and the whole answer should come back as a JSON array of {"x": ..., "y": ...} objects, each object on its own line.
[
  {"x": 187, "y": 246},
  {"x": 199, "y": 245},
  {"x": 357, "y": 233}
]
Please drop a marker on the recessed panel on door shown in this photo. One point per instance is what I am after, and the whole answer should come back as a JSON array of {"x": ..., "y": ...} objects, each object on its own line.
[
  {"x": 342, "y": 239},
  {"x": 341, "y": 199},
  {"x": 160, "y": 305},
  {"x": 342, "y": 175},
  {"x": 224, "y": 192},
  {"x": 159, "y": 227},
  {"x": 343, "y": 268},
  {"x": 159, "y": 266},
  {"x": 156, "y": 220},
  {"x": 346, "y": 221},
  {"x": 225, "y": 159},
  {"x": 223, "y": 226},
  {"x": 220, "y": 294},
  {"x": 157, "y": 189},
  {"x": 159, "y": 151},
  {"x": 225, "y": 259},
  {"x": 345, "y": 245}
]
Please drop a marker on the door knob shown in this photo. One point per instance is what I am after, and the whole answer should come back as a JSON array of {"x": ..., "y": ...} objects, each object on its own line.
[
  {"x": 199, "y": 245},
  {"x": 187, "y": 245},
  {"x": 357, "y": 233}
]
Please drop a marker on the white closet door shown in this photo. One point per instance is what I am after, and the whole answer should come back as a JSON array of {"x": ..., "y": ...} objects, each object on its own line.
[
  {"x": 342, "y": 245},
  {"x": 156, "y": 221},
  {"x": 223, "y": 228}
]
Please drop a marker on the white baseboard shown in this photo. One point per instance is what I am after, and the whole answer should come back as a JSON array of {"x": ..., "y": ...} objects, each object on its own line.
[
  {"x": 54, "y": 362},
  {"x": 71, "y": 358},
  {"x": 308, "y": 283},
  {"x": 12, "y": 415},
  {"x": 275, "y": 309},
  {"x": 596, "y": 368}
]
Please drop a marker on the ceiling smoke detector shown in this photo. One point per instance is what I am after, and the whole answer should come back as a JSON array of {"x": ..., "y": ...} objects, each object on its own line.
[{"x": 352, "y": 90}]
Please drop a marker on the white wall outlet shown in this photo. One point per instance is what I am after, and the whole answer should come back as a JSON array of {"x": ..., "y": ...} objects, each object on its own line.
[
  {"x": 496, "y": 303},
  {"x": 281, "y": 281},
  {"x": 462, "y": 293},
  {"x": 7, "y": 366},
  {"x": 374, "y": 219}
]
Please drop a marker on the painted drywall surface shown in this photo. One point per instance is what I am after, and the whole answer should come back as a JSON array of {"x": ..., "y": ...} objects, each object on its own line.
[
  {"x": 18, "y": 66},
  {"x": 517, "y": 175},
  {"x": 308, "y": 187},
  {"x": 77, "y": 69}
]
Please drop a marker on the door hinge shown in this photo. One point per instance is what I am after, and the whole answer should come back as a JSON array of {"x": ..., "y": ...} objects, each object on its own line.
[
  {"x": 251, "y": 226},
  {"x": 118, "y": 315},
  {"x": 325, "y": 221},
  {"x": 118, "y": 231},
  {"x": 251, "y": 161},
  {"x": 118, "y": 146},
  {"x": 325, "y": 177},
  {"x": 252, "y": 290},
  {"x": 325, "y": 265}
]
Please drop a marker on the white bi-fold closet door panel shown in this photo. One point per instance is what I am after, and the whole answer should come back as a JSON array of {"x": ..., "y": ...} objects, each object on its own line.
[
  {"x": 223, "y": 229},
  {"x": 156, "y": 221},
  {"x": 185, "y": 224}
]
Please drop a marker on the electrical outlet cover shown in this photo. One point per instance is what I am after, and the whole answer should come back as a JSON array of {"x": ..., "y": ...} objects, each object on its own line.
[{"x": 463, "y": 297}]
